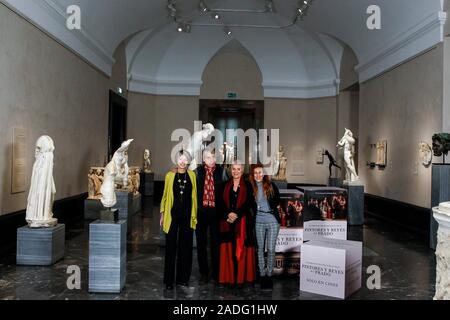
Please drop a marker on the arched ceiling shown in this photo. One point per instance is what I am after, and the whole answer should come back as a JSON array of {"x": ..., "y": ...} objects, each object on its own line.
[{"x": 302, "y": 56}]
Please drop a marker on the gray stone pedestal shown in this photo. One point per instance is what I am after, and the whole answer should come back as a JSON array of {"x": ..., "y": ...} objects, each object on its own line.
[
  {"x": 107, "y": 256},
  {"x": 147, "y": 183},
  {"x": 281, "y": 184},
  {"x": 440, "y": 192},
  {"x": 40, "y": 247},
  {"x": 335, "y": 182},
  {"x": 355, "y": 205},
  {"x": 92, "y": 209},
  {"x": 128, "y": 204}
]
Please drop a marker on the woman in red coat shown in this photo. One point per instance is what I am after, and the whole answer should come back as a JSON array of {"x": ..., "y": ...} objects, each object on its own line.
[{"x": 237, "y": 239}]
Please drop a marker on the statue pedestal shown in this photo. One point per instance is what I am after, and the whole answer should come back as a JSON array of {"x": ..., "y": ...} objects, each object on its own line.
[
  {"x": 92, "y": 208},
  {"x": 335, "y": 182},
  {"x": 40, "y": 247},
  {"x": 442, "y": 254},
  {"x": 107, "y": 256},
  {"x": 355, "y": 205},
  {"x": 440, "y": 192},
  {"x": 147, "y": 183},
  {"x": 128, "y": 204},
  {"x": 282, "y": 185}
]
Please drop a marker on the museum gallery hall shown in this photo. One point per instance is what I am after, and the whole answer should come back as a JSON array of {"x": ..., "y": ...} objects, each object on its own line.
[{"x": 224, "y": 150}]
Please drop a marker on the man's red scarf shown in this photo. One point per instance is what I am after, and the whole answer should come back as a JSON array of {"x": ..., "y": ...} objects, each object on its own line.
[
  {"x": 240, "y": 229},
  {"x": 209, "y": 200}
]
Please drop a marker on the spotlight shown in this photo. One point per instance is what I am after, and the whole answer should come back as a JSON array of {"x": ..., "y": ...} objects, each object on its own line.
[
  {"x": 184, "y": 27},
  {"x": 227, "y": 31},
  {"x": 202, "y": 6},
  {"x": 216, "y": 16}
]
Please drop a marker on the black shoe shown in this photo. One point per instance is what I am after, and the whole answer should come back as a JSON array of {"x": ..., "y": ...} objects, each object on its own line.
[
  {"x": 169, "y": 287},
  {"x": 270, "y": 282},
  {"x": 203, "y": 279},
  {"x": 263, "y": 282}
]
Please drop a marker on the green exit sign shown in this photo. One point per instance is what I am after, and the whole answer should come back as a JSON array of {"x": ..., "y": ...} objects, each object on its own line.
[{"x": 232, "y": 95}]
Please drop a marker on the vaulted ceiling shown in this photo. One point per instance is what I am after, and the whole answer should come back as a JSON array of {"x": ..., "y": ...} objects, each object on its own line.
[{"x": 299, "y": 61}]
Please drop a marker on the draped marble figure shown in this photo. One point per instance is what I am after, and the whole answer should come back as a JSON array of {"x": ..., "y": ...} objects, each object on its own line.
[
  {"x": 116, "y": 169},
  {"x": 42, "y": 190}
]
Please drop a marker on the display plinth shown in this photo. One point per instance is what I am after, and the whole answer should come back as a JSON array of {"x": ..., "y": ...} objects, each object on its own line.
[
  {"x": 335, "y": 182},
  {"x": 40, "y": 247},
  {"x": 442, "y": 216},
  {"x": 92, "y": 208},
  {"x": 280, "y": 184},
  {"x": 111, "y": 216},
  {"x": 440, "y": 192},
  {"x": 107, "y": 256},
  {"x": 147, "y": 183},
  {"x": 355, "y": 205},
  {"x": 331, "y": 267},
  {"x": 128, "y": 204}
]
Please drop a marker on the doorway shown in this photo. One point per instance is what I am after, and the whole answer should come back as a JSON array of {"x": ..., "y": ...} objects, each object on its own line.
[
  {"x": 233, "y": 114},
  {"x": 117, "y": 129}
]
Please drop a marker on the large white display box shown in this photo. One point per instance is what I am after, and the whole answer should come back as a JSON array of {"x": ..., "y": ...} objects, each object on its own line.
[{"x": 331, "y": 267}]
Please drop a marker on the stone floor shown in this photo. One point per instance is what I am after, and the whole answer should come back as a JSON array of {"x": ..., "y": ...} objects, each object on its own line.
[{"x": 407, "y": 266}]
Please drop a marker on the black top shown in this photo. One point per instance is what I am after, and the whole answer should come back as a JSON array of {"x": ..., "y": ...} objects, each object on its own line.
[
  {"x": 182, "y": 196},
  {"x": 234, "y": 199},
  {"x": 219, "y": 177}
]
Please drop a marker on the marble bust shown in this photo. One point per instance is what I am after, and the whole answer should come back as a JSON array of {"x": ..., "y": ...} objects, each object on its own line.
[
  {"x": 42, "y": 190},
  {"x": 117, "y": 168}
]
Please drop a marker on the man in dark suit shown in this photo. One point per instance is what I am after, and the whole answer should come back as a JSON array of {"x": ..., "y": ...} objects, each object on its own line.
[{"x": 210, "y": 178}]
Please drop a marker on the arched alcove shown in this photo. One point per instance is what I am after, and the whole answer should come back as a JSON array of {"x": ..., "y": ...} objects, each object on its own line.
[{"x": 232, "y": 69}]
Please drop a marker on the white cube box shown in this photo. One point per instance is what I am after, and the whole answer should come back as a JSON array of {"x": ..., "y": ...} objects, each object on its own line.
[{"x": 331, "y": 267}]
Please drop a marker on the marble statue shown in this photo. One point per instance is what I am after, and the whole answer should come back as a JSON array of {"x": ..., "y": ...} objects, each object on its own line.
[
  {"x": 332, "y": 161},
  {"x": 442, "y": 216},
  {"x": 134, "y": 180},
  {"x": 195, "y": 146},
  {"x": 116, "y": 169},
  {"x": 226, "y": 152},
  {"x": 347, "y": 143},
  {"x": 441, "y": 144},
  {"x": 279, "y": 165},
  {"x": 42, "y": 191},
  {"x": 95, "y": 181},
  {"x": 426, "y": 154},
  {"x": 147, "y": 161}
]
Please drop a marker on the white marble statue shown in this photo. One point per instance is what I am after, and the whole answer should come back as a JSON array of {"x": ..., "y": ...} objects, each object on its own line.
[
  {"x": 42, "y": 191},
  {"x": 147, "y": 161},
  {"x": 279, "y": 165},
  {"x": 442, "y": 216},
  {"x": 116, "y": 169},
  {"x": 426, "y": 153},
  {"x": 347, "y": 143},
  {"x": 195, "y": 146}
]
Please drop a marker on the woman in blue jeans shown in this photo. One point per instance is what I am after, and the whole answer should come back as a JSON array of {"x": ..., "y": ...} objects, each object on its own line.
[{"x": 267, "y": 200}]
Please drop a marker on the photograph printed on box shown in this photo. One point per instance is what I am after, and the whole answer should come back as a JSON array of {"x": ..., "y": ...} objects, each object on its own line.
[
  {"x": 287, "y": 259},
  {"x": 325, "y": 205}
]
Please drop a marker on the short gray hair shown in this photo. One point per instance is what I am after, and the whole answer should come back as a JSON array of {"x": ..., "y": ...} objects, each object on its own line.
[{"x": 183, "y": 153}]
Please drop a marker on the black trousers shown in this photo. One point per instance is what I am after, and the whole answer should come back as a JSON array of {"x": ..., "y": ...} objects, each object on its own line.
[
  {"x": 178, "y": 251},
  {"x": 207, "y": 218}
]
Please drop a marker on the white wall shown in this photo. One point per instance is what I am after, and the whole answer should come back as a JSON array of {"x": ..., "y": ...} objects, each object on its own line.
[
  {"x": 404, "y": 107},
  {"x": 46, "y": 89}
]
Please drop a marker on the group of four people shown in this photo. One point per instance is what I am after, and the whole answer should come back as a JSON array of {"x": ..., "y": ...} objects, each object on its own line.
[{"x": 239, "y": 213}]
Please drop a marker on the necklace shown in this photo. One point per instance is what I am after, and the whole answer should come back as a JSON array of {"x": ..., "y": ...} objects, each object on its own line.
[{"x": 182, "y": 183}]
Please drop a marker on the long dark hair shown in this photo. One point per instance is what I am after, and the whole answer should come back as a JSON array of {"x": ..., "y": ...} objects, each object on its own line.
[{"x": 267, "y": 184}]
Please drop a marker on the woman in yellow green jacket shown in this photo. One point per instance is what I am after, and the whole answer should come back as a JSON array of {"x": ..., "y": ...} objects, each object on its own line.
[{"x": 178, "y": 221}]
